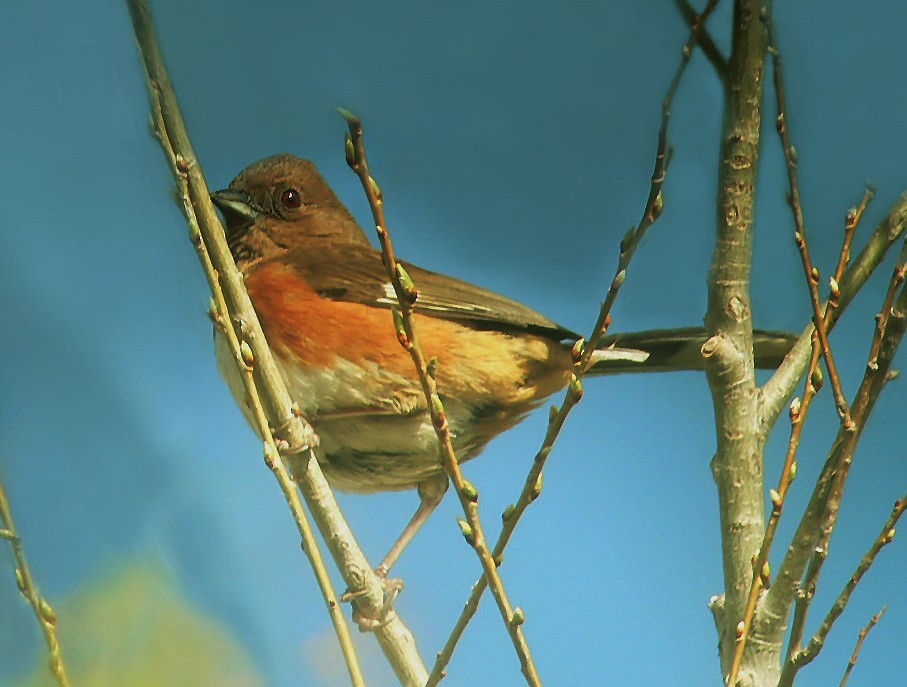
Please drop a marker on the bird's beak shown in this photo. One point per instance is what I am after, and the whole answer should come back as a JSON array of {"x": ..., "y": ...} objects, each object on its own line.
[{"x": 236, "y": 205}]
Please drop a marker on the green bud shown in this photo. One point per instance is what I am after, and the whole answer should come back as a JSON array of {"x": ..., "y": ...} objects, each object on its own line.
[
  {"x": 466, "y": 531},
  {"x": 576, "y": 387},
  {"x": 352, "y": 120},
  {"x": 213, "y": 315},
  {"x": 627, "y": 239},
  {"x": 349, "y": 150},
  {"x": 376, "y": 190},
  {"x": 439, "y": 419},
  {"x": 536, "y": 488},
  {"x": 469, "y": 491},
  {"x": 245, "y": 352},
  {"x": 407, "y": 283},
  {"x": 399, "y": 327},
  {"x": 48, "y": 615},
  {"x": 817, "y": 379},
  {"x": 270, "y": 453},
  {"x": 775, "y": 498},
  {"x": 659, "y": 206}
]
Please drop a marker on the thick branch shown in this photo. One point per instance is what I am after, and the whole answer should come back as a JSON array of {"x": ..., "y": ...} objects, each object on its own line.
[
  {"x": 737, "y": 465},
  {"x": 294, "y": 433}
]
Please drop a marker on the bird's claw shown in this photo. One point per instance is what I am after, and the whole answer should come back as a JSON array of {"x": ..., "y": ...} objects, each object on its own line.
[{"x": 385, "y": 613}]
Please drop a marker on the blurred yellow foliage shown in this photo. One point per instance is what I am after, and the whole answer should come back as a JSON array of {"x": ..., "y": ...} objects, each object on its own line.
[{"x": 134, "y": 629}]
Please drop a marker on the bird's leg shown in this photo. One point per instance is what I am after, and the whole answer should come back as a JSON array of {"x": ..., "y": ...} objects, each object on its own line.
[{"x": 431, "y": 491}]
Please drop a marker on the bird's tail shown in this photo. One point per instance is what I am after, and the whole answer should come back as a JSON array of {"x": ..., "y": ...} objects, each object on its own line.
[{"x": 666, "y": 350}]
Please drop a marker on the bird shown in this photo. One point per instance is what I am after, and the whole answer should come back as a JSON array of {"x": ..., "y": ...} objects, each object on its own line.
[{"x": 322, "y": 295}]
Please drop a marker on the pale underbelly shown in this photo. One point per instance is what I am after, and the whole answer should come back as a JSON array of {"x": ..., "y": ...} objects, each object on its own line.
[{"x": 379, "y": 446}]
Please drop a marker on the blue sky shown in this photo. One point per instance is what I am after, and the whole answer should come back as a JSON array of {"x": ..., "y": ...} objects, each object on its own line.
[{"x": 513, "y": 144}]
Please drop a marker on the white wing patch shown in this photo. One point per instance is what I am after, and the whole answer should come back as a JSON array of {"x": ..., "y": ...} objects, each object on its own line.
[
  {"x": 390, "y": 298},
  {"x": 631, "y": 355}
]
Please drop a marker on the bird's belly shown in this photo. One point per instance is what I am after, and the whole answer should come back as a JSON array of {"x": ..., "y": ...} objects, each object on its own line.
[{"x": 375, "y": 433}]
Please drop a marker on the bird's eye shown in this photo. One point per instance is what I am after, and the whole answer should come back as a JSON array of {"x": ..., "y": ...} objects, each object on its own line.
[{"x": 291, "y": 198}]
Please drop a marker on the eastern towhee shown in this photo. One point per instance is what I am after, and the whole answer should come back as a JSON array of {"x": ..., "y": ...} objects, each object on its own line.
[{"x": 323, "y": 297}]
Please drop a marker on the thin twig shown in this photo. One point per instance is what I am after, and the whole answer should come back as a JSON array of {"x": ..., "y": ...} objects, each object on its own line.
[
  {"x": 406, "y": 293},
  {"x": 582, "y": 353},
  {"x": 704, "y": 41},
  {"x": 811, "y": 272},
  {"x": 219, "y": 312},
  {"x": 821, "y": 512},
  {"x": 885, "y": 537},
  {"x": 47, "y": 617},
  {"x": 851, "y": 220},
  {"x": 856, "y": 650},
  {"x": 806, "y": 593},
  {"x": 296, "y": 437},
  {"x": 778, "y": 389},
  {"x": 808, "y": 587}
]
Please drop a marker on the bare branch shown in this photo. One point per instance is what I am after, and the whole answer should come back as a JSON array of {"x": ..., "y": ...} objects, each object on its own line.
[
  {"x": 704, "y": 40},
  {"x": 583, "y": 351},
  {"x": 296, "y": 438},
  {"x": 407, "y": 293},
  {"x": 779, "y": 388},
  {"x": 811, "y": 273},
  {"x": 821, "y": 512},
  {"x": 737, "y": 464},
  {"x": 798, "y": 659},
  {"x": 856, "y": 650},
  {"x": 819, "y": 343},
  {"x": 885, "y": 537},
  {"x": 44, "y": 612}
]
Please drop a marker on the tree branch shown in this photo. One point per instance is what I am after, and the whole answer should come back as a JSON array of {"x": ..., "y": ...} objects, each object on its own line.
[
  {"x": 704, "y": 39},
  {"x": 293, "y": 437},
  {"x": 820, "y": 318},
  {"x": 873, "y": 621},
  {"x": 44, "y": 612},
  {"x": 777, "y": 391},
  {"x": 737, "y": 464},
  {"x": 406, "y": 293},
  {"x": 583, "y": 350},
  {"x": 801, "y": 658},
  {"x": 821, "y": 512}
]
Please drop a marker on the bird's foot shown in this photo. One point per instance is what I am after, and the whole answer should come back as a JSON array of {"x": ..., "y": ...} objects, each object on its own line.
[{"x": 385, "y": 613}]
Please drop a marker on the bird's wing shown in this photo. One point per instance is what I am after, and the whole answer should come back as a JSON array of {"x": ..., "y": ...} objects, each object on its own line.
[{"x": 355, "y": 274}]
